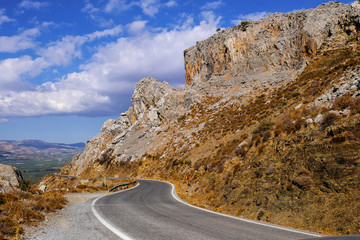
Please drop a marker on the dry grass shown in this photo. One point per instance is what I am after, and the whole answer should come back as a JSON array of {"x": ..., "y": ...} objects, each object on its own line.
[{"x": 20, "y": 208}]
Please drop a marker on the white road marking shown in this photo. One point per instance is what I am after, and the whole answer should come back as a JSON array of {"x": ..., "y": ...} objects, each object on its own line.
[
  {"x": 173, "y": 192},
  {"x": 107, "y": 224},
  {"x": 124, "y": 236}
]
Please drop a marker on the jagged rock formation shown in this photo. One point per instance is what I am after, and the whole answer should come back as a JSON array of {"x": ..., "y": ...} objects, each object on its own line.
[
  {"x": 154, "y": 105},
  {"x": 269, "y": 52},
  {"x": 10, "y": 178}
]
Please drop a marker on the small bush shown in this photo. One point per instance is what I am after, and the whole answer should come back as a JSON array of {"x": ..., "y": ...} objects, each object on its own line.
[
  {"x": 262, "y": 131},
  {"x": 244, "y": 25},
  {"x": 343, "y": 102},
  {"x": 303, "y": 181},
  {"x": 329, "y": 119},
  {"x": 355, "y": 106},
  {"x": 181, "y": 118}
]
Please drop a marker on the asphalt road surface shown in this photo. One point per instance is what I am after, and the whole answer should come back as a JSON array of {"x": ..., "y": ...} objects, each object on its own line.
[{"x": 153, "y": 211}]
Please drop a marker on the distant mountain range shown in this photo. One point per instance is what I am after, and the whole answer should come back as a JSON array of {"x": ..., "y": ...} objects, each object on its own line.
[{"x": 18, "y": 147}]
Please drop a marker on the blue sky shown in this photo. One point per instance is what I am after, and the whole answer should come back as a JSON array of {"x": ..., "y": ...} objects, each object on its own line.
[{"x": 66, "y": 66}]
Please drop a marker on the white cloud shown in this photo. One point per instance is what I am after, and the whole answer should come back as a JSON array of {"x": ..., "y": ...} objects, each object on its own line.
[
  {"x": 107, "y": 32},
  {"x": 212, "y": 5},
  {"x": 30, "y": 103},
  {"x": 103, "y": 83},
  {"x": 24, "y": 40},
  {"x": 63, "y": 51},
  {"x": 95, "y": 15},
  {"x": 170, "y": 3},
  {"x": 27, "y": 4},
  {"x": 12, "y": 68},
  {"x": 4, "y": 18},
  {"x": 252, "y": 16},
  {"x": 136, "y": 27},
  {"x": 119, "y": 5},
  {"x": 148, "y": 7},
  {"x": 60, "y": 52}
]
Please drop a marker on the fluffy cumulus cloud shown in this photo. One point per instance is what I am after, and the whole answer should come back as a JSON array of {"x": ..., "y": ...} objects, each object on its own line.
[
  {"x": 252, "y": 16},
  {"x": 42, "y": 102},
  {"x": 100, "y": 85},
  {"x": 12, "y": 68},
  {"x": 24, "y": 40},
  {"x": 60, "y": 52},
  {"x": 136, "y": 27}
]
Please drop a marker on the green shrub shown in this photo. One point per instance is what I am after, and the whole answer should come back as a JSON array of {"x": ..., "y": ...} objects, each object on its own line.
[{"x": 244, "y": 25}]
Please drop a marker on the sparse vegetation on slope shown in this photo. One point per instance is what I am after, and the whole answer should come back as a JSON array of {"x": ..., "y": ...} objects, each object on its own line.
[{"x": 20, "y": 208}]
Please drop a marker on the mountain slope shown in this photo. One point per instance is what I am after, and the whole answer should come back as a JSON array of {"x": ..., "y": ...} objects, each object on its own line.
[{"x": 268, "y": 126}]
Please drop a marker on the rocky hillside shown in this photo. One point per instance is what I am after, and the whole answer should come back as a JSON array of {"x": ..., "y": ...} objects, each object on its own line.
[
  {"x": 268, "y": 52},
  {"x": 268, "y": 126},
  {"x": 10, "y": 178}
]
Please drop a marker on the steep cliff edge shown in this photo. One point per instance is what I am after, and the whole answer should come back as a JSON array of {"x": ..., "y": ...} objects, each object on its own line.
[
  {"x": 268, "y": 52},
  {"x": 267, "y": 127}
]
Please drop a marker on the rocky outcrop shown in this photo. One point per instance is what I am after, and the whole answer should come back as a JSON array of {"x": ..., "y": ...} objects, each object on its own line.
[
  {"x": 154, "y": 105},
  {"x": 349, "y": 85},
  {"x": 268, "y": 52},
  {"x": 10, "y": 178}
]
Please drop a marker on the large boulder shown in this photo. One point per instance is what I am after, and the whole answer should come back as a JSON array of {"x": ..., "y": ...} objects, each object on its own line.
[{"x": 10, "y": 178}]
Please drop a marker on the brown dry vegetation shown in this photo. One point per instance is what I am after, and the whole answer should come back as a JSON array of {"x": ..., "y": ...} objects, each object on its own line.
[
  {"x": 28, "y": 208},
  {"x": 64, "y": 185},
  {"x": 20, "y": 208},
  {"x": 285, "y": 171}
]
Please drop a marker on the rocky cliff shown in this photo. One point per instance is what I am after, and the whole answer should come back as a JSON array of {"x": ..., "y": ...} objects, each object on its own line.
[
  {"x": 267, "y": 126},
  {"x": 10, "y": 178},
  {"x": 154, "y": 105},
  {"x": 268, "y": 52}
]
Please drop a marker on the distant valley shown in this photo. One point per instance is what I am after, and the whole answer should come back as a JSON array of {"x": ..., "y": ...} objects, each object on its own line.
[{"x": 36, "y": 158}]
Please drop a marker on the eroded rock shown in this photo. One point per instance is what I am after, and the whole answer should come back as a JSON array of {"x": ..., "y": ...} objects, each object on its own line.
[{"x": 10, "y": 178}]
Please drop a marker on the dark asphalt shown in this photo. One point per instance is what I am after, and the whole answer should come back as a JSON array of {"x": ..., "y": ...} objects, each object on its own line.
[{"x": 150, "y": 211}]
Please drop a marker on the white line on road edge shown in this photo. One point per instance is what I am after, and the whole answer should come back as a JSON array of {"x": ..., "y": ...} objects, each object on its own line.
[
  {"x": 173, "y": 192},
  {"x": 108, "y": 224}
]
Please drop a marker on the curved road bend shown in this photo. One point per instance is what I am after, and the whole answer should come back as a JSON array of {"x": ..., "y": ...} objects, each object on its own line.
[{"x": 149, "y": 211}]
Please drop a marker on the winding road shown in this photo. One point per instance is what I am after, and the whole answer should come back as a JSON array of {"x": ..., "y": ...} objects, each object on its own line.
[{"x": 152, "y": 210}]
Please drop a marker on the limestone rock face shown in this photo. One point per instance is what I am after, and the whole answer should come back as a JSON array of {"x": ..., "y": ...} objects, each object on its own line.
[
  {"x": 154, "y": 105},
  {"x": 269, "y": 52},
  {"x": 10, "y": 178}
]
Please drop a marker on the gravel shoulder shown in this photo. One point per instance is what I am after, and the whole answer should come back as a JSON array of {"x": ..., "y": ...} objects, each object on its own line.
[{"x": 75, "y": 221}]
